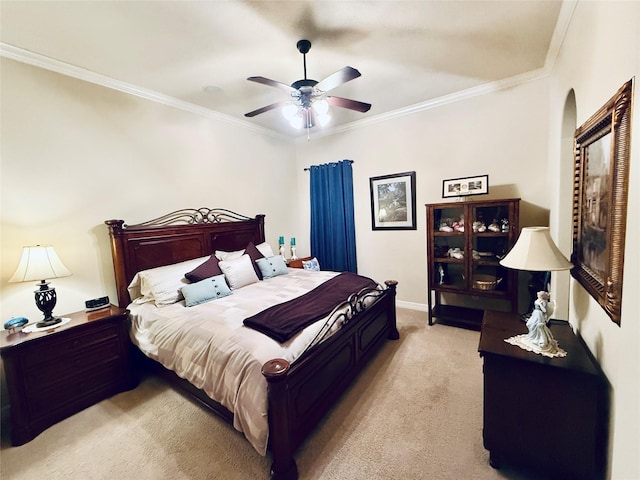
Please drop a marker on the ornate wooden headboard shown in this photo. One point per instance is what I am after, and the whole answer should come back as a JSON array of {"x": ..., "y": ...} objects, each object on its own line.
[{"x": 176, "y": 237}]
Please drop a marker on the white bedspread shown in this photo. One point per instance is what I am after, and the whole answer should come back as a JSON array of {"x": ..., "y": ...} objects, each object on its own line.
[{"x": 210, "y": 347}]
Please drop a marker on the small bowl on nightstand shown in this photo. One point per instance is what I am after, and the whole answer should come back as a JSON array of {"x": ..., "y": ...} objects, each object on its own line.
[{"x": 15, "y": 324}]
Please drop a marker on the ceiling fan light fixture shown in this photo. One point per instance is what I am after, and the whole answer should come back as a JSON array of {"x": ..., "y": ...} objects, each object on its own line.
[
  {"x": 289, "y": 111},
  {"x": 297, "y": 121},
  {"x": 323, "y": 119},
  {"x": 321, "y": 107},
  {"x": 308, "y": 104}
]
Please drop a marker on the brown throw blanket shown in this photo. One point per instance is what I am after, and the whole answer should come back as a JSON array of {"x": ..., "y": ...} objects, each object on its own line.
[{"x": 283, "y": 321}]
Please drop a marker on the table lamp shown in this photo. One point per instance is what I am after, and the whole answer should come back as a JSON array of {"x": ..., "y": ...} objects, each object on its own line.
[
  {"x": 41, "y": 262},
  {"x": 535, "y": 252}
]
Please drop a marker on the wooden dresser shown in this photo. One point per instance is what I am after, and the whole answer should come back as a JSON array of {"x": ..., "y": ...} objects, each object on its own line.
[
  {"x": 55, "y": 373},
  {"x": 549, "y": 415}
]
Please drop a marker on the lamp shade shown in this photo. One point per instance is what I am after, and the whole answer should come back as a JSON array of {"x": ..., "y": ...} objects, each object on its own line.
[
  {"x": 39, "y": 262},
  {"x": 535, "y": 251}
]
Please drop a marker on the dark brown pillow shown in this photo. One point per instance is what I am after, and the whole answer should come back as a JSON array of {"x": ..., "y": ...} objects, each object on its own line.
[
  {"x": 206, "y": 270},
  {"x": 254, "y": 254}
]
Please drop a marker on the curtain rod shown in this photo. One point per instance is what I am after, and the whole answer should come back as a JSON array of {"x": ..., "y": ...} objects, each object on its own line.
[{"x": 350, "y": 161}]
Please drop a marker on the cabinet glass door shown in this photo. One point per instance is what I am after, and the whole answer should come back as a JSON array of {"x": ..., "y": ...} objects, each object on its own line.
[
  {"x": 490, "y": 243},
  {"x": 449, "y": 247}
]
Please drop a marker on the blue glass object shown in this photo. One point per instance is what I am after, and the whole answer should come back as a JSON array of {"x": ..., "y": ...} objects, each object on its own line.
[{"x": 15, "y": 322}]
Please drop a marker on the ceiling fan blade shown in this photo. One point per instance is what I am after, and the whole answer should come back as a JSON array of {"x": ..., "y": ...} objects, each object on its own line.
[
  {"x": 348, "y": 103},
  {"x": 338, "y": 78},
  {"x": 273, "y": 83},
  {"x": 266, "y": 109}
]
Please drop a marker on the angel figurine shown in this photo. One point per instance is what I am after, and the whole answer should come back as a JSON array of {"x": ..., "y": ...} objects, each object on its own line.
[
  {"x": 539, "y": 339},
  {"x": 539, "y": 334}
]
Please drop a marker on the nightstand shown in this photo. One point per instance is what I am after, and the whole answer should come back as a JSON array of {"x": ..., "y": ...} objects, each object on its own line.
[
  {"x": 297, "y": 263},
  {"x": 549, "y": 415},
  {"x": 55, "y": 373}
]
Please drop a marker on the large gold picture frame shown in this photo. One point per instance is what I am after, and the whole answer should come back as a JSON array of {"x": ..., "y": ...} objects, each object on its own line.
[{"x": 602, "y": 156}]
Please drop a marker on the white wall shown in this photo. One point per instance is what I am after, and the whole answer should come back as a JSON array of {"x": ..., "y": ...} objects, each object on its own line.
[
  {"x": 502, "y": 134},
  {"x": 601, "y": 52},
  {"x": 75, "y": 154}
]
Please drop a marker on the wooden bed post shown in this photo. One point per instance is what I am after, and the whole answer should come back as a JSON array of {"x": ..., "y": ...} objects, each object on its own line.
[
  {"x": 284, "y": 466},
  {"x": 119, "y": 263},
  {"x": 391, "y": 313}
]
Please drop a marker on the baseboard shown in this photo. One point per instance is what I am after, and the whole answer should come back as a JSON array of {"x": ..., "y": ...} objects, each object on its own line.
[{"x": 421, "y": 307}]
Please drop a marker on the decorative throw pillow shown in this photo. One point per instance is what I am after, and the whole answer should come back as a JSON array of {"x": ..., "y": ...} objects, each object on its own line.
[
  {"x": 254, "y": 254},
  {"x": 223, "y": 255},
  {"x": 161, "y": 285},
  {"x": 205, "y": 290},
  {"x": 312, "y": 264},
  {"x": 272, "y": 266},
  {"x": 239, "y": 272},
  {"x": 208, "y": 269},
  {"x": 265, "y": 249}
]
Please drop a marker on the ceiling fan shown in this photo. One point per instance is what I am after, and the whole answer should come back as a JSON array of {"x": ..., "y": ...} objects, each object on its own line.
[{"x": 309, "y": 103}]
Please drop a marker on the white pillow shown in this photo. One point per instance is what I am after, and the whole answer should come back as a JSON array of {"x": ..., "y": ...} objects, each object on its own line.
[
  {"x": 265, "y": 249},
  {"x": 239, "y": 271},
  {"x": 161, "y": 285},
  {"x": 222, "y": 255}
]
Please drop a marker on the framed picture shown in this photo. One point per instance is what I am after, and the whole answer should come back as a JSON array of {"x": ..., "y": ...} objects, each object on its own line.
[
  {"x": 602, "y": 146},
  {"x": 457, "y": 187},
  {"x": 393, "y": 201}
]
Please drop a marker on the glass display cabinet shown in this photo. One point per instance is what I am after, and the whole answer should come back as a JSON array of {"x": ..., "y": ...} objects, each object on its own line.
[{"x": 465, "y": 242}]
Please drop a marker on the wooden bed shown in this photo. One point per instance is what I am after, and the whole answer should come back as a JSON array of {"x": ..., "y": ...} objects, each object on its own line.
[{"x": 299, "y": 394}]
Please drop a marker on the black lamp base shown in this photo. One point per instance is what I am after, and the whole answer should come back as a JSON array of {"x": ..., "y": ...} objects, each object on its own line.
[
  {"x": 46, "y": 299},
  {"x": 47, "y": 322}
]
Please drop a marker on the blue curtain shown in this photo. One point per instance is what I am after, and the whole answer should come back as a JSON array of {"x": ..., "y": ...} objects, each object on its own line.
[{"x": 333, "y": 233}]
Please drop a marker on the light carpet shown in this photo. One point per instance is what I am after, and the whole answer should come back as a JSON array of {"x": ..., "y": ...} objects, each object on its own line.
[{"x": 414, "y": 413}]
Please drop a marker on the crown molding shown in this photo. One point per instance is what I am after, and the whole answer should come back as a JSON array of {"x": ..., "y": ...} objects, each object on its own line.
[
  {"x": 564, "y": 19},
  {"x": 483, "y": 89},
  {"x": 48, "y": 63},
  {"x": 567, "y": 9}
]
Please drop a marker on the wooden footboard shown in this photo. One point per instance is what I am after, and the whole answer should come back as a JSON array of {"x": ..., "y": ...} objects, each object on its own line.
[{"x": 302, "y": 393}]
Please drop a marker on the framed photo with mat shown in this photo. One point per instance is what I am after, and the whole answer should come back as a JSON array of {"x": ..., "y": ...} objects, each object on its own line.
[{"x": 393, "y": 201}]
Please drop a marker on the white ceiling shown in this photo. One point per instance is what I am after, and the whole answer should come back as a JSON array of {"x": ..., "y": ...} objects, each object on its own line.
[{"x": 409, "y": 52}]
